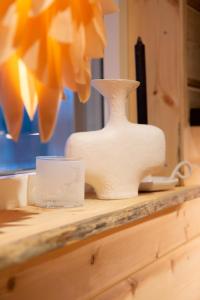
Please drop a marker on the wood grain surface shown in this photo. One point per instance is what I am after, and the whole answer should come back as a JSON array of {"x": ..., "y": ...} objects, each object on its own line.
[{"x": 28, "y": 233}]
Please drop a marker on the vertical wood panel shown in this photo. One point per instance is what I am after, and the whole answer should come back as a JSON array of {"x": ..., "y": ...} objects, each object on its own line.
[
  {"x": 191, "y": 135},
  {"x": 193, "y": 43},
  {"x": 159, "y": 24}
]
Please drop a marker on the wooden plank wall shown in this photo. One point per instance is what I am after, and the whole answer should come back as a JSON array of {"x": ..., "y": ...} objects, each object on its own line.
[
  {"x": 193, "y": 43},
  {"x": 158, "y": 258},
  {"x": 176, "y": 276},
  {"x": 191, "y": 135},
  {"x": 159, "y": 23}
]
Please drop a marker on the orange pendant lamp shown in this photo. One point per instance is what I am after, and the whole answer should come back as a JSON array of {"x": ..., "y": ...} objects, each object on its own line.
[{"x": 46, "y": 45}]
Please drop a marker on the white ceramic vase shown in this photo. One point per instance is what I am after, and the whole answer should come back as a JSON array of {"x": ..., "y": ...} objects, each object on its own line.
[{"x": 120, "y": 155}]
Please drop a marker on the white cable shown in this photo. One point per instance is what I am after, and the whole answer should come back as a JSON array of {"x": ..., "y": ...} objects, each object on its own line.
[{"x": 177, "y": 174}]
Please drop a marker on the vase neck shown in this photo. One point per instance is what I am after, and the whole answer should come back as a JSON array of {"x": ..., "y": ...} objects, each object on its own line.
[
  {"x": 117, "y": 109},
  {"x": 116, "y": 92}
]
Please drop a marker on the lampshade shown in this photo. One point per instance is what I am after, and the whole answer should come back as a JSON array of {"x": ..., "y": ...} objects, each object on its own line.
[{"x": 46, "y": 45}]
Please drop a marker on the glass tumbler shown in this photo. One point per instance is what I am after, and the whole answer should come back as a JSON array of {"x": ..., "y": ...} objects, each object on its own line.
[{"x": 60, "y": 182}]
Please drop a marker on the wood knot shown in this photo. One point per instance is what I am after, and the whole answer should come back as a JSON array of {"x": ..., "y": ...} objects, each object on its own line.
[
  {"x": 168, "y": 100},
  {"x": 11, "y": 283},
  {"x": 155, "y": 92},
  {"x": 174, "y": 2},
  {"x": 133, "y": 284},
  {"x": 172, "y": 265},
  {"x": 157, "y": 254},
  {"x": 92, "y": 259}
]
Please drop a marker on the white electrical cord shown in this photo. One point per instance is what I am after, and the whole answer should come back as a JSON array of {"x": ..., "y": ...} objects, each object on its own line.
[
  {"x": 160, "y": 183},
  {"x": 177, "y": 174}
]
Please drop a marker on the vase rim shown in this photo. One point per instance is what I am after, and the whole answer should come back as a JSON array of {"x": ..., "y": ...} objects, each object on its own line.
[
  {"x": 106, "y": 86},
  {"x": 123, "y": 82},
  {"x": 116, "y": 79}
]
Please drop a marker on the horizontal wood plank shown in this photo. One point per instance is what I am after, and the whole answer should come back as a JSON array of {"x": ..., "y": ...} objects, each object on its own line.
[
  {"x": 176, "y": 276},
  {"x": 194, "y": 83},
  {"x": 87, "y": 271},
  {"x": 30, "y": 232}
]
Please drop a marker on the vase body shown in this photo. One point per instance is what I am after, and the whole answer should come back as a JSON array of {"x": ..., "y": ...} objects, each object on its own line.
[{"x": 120, "y": 155}]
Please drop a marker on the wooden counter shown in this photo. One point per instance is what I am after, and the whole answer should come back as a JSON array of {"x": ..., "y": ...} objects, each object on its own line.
[{"x": 146, "y": 247}]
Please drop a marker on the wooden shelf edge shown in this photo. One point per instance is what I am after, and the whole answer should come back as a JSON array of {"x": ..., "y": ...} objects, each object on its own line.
[
  {"x": 195, "y": 4},
  {"x": 20, "y": 251},
  {"x": 193, "y": 83}
]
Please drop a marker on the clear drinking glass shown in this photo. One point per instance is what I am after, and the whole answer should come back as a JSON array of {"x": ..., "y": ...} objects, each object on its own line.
[{"x": 60, "y": 182}]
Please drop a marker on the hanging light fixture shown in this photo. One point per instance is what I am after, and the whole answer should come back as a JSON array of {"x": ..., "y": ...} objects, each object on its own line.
[{"x": 46, "y": 45}]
